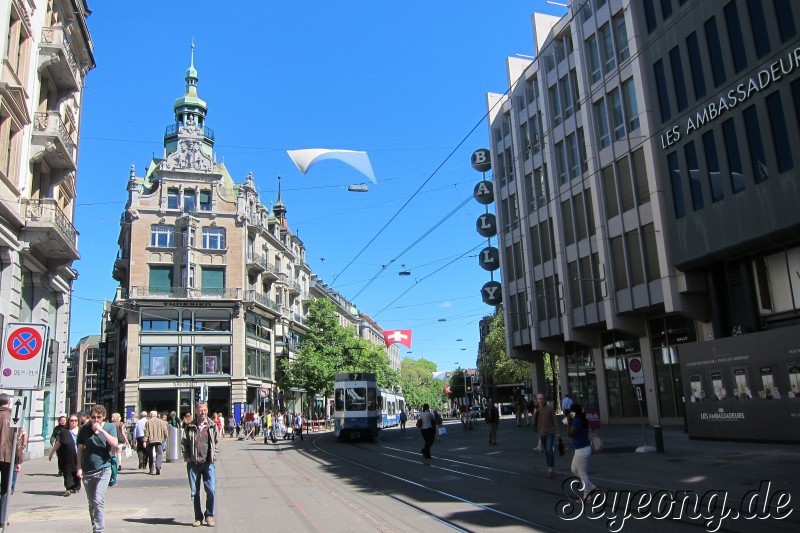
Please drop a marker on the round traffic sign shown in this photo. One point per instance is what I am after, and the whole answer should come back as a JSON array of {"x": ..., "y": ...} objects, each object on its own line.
[
  {"x": 635, "y": 364},
  {"x": 24, "y": 343}
]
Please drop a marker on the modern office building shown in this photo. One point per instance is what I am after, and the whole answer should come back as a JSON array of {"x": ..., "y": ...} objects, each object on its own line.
[
  {"x": 645, "y": 183},
  {"x": 213, "y": 285},
  {"x": 47, "y": 52},
  {"x": 83, "y": 375}
]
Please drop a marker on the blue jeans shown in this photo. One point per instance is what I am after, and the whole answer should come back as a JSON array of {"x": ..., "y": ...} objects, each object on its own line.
[
  {"x": 204, "y": 472},
  {"x": 96, "y": 484},
  {"x": 547, "y": 441}
]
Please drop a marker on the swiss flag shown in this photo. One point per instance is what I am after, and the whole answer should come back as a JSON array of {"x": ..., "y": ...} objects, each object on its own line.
[{"x": 402, "y": 336}]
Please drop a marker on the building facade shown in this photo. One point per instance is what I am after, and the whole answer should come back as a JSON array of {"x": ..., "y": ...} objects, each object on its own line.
[
  {"x": 213, "y": 285},
  {"x": 47, "y": 53},
  {"x": 644, "y": 191},
  {"x": 83, "y": 375}
]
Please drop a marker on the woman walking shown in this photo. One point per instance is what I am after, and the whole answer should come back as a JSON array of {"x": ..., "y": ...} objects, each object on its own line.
[
  {"x": 66, "y": 448},
  {"x": 116, "y": 419},
  {"x": 579, "y": 431},
  {"x": 96, "y": 443}
]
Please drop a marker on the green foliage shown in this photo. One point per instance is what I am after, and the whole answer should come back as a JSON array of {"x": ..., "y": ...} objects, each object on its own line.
[
  {"x": 329, "y": 349},
  {"x": 498, "y": 367},
  {"x": 456, "y": 383},
  {"x": 419, "y": 387}
]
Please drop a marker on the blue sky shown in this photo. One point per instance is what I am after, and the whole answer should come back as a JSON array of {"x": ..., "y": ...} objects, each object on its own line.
[{"x": 405, "y": 81}]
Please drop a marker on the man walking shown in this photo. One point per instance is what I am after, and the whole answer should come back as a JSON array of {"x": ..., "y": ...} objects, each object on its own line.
[
  {"x": 155, "y": 434},
  {"x": 492, "y": 420},
  {"x": 566, "y": 404},
  {"x": 138, "y": 433},
  {"x": 548, "y": 430},
  {"x": 427, "y": 426},
  {"x": 200, "y": 448}
]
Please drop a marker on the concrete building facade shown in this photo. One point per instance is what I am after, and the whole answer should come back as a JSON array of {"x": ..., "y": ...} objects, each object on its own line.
[
  {"x": 643, "y": 201},
  {"x": 47, "y": 54}
]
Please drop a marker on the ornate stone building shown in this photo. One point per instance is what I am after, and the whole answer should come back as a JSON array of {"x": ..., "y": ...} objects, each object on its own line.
[
  {"x": 47, "y": 52},
  {"x": 213, "y": 286}
]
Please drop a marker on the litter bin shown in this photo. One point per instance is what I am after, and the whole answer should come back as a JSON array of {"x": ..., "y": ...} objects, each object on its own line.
[{"x": 173, "y": 444}]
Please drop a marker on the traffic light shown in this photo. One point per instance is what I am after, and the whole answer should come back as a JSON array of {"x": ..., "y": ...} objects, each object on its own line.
[{"x": 468, "y": 384}]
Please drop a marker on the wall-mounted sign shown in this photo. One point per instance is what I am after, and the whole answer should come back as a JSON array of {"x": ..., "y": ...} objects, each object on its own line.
[
  {"x": 486, "y": 225},
  {"x": 489, "y": 258},
  {"x": 491, "y": 293},
  {"x": 481, "y": 160}
]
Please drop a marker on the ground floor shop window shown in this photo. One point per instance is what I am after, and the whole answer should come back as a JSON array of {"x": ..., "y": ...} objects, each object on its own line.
[
  {"x": 666, "y": 334},
  {"x": 581, "y": 376},
  {"x": 622, "y": 399}
]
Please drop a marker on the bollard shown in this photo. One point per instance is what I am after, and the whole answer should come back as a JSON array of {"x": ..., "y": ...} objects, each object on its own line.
[
  {"x": 173, "y": 444},
  {"x": 659, "y": 436}
]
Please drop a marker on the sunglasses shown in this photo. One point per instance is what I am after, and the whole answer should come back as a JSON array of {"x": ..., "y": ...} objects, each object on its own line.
[
  {"x": 97, "y": 417},
  {"x": 73, "y": 419}
]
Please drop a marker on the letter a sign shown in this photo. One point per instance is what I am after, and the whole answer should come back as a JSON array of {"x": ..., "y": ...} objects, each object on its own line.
[{"x": 24, "y": 356}]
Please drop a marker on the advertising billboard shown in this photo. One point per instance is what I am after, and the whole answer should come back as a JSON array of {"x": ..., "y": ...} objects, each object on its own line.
[{"x": 745, "y": 387}]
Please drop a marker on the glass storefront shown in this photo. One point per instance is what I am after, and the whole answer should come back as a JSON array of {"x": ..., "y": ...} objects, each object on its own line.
[
  {"x": 665, "y": 334},
  {"x": 581, "y": 375},
  {"x": 618, "y": 348}
]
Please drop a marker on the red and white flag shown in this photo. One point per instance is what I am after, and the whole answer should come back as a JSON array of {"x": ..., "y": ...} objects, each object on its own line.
[{"x": 402, "y": 336}]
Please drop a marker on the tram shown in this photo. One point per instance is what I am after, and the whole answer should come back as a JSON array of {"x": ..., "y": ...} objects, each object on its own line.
[
  {"x": 356, "y": 412},
  {"x": 361, "y": 409}
]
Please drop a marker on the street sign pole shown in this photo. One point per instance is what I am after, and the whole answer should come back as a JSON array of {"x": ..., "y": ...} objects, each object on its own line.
[{"x": 18, "y": 405}]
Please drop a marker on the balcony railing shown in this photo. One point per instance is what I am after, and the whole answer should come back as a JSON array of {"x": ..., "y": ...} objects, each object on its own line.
[
  {"x": 65, "y": 73},
  {"x": 253, "y": 259},
  {"x": 184, "y": 293},
  {"x": 172, "y": 129},
  {"x": 52, "y": 137},
  {"x": 45, "y": 211},
  {"x": 266, "y": 301}
]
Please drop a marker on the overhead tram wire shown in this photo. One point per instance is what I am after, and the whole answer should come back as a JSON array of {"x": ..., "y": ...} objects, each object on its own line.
[
  {"x": 398, "y": 256},
  {"x": 417, "y": 282}
]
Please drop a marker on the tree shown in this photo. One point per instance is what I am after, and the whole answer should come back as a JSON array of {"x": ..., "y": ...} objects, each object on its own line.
[
  {"x": 497, "y": 366},
  {"x": 419, "y": 387},
  {"x": 329, "y": 349}
]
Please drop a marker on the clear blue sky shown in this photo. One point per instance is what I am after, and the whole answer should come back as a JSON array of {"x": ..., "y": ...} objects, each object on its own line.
[{"x": 405, "y": 81}]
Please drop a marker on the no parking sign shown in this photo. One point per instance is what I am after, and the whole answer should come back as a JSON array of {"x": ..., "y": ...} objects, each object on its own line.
[{"x": 24, "y": 357}]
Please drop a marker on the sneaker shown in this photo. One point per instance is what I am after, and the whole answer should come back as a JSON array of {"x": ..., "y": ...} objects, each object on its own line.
[
  {"x": 197, "y": 523},
  {"x": 210, "y": 521},
  {"x": 67, "y": 493},
  {"x": 158, "y": 471}
]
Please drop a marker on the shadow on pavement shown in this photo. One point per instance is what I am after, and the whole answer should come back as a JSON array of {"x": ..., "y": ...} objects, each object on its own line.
[
  {"x": 45, "y": 492},
  {"x": 157, "y": 521}
]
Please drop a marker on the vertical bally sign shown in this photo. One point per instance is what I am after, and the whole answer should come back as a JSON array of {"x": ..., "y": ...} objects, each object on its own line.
[{"x": 23, "y": 358}]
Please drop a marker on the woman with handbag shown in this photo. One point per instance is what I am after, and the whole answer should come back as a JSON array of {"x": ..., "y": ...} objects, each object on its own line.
[
  {"x": 116, "y": 419},
  {"x": 579, "y": 431},
  {"x": 66, "y": 449}
]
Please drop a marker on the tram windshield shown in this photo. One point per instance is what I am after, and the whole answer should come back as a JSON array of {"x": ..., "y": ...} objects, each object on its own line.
[{"x": 355, "y": 399}]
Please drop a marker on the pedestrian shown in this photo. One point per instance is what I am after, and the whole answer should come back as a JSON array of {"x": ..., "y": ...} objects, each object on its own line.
[
  {"x": 548, "y": 431},
  {"x": 155, "y": 434},
  {"x": 298, "y": 426},
  {"x": 96, "y": 442},
  {"x": 173, "y": 420},
  {"x": 231, "y": 426},
  {"x": 200, "y": 448},
  {"x": 427, "y": 425},
  {"x": 65, "y": 448},
  {"x": 492, "y": 417},
  {"x": 579, "y": 431},
  {"x": 519, "y": 409},
  {"x": 566, "y": 404},
  {"x": 138, "y": 434},
  {"x": 22, "y": 443},
  {"x": 439, "y": 423},
  {"x": 83, "y": 418},
  {"x": 403, "y": 420},
  {"x": 6, "y": 449},
  {"x": 61, "y": 426},
  {"x": 116, "y": 419},
  {"x": 187, "y": 419}
]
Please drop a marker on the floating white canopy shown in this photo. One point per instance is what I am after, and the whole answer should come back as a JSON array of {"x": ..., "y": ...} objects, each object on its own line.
[{"x": 304, "y": 159}]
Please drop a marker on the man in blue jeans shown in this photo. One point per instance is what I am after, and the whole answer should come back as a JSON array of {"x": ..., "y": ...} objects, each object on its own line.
[
  {"x": 547, "y": 426},
  {"x": 200, "y": 449}
]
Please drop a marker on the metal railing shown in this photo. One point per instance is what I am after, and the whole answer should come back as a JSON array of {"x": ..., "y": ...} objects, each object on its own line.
[
  {"x": 54, "y": 35},
  {"x": 266, "y": 301},
  {"x": 184, "y": 292},
  {"x": 172, "y": 129},
  {"x": 50, "y": 122},
  {"x": 46, "y": 210}
]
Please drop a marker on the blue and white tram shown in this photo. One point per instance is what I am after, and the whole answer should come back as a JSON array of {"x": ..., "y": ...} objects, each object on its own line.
[
  {"x": 356, "y": 409},
  {"x": 392, "y": 403}
]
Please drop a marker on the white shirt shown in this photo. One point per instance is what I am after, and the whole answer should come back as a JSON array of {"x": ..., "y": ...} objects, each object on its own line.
[
  {"x": 428, "y": 420},
  {"x": 140, "y": 424}
]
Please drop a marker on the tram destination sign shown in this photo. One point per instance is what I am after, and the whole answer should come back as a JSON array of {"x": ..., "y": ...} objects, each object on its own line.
[{"x": 24, "y": 356}]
